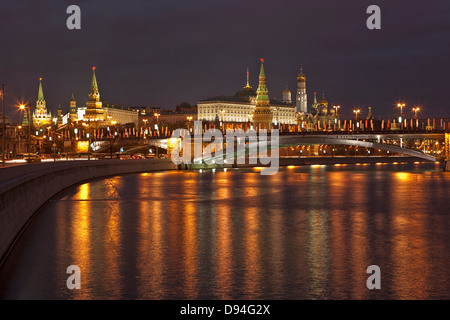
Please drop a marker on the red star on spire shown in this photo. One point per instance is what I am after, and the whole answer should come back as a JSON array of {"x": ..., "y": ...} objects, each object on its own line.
[
  {"x": 93, "y": 68},
  {"x": 262, "y": 60}
]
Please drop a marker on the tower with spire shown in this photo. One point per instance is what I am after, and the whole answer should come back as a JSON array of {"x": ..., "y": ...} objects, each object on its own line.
[
  {"x": 94, "y": 109},
  {"x": 262, "y": 118},
  {"x": 302, "y": 101},
  {"x": 40, "y": 115},
  {"x": 73, "y": 109},
  {"x": 315, "y": 105},
  {"x": 248, "y": 87}
]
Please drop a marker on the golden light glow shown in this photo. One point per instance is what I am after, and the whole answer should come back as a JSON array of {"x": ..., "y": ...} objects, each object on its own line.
[
  {"x": 403, "y": 175},
  {"x": 82, "y": 146},
  {"x": 258, "y": 168}
]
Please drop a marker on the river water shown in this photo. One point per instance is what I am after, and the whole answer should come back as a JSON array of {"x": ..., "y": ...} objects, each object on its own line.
[{"x": 303, "y": 233}]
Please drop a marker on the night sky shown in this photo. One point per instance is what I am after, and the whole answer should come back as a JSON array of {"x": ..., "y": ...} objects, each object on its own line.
[{"x": 161, "y": 53}]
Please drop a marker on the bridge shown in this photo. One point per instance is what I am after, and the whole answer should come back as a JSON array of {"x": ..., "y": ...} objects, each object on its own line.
[{"x": 400, "y": 142}]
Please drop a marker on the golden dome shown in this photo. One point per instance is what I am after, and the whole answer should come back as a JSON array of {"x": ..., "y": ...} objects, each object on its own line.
[
  {"x": 323, "y": 100},
  {"x": 301, "y": 76}
]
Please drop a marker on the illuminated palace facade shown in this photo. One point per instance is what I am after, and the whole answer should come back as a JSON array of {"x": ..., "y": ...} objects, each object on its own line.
[{"x": 249, "y": 105}]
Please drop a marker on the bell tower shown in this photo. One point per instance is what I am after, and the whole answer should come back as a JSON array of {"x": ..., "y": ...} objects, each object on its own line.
[{"x": 302, "y": 102}]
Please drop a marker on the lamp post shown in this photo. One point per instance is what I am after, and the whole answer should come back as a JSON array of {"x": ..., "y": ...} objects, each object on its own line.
[
  {"x": 23, "y": 107},
  {"x": 356, "y": 111},
  {"x": 157, "y": 119},
  {"x": 336, "y": 108},
  {"x": 189, "y": 119},
  {"x": 276, "y": 117},
  {"x": 222, "y": 111},
  {"x": 3, "y": 125},
  {"x": 145, "y": 127},
  {"x": 17, "y": 137},
  {"x": 415, "y": 110},
  {"x": 401, "y": 106}
]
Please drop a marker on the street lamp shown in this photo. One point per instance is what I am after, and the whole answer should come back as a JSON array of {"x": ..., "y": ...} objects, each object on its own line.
[
  {"x": 3, "y": 124},
  {"x": 23, "y": 107},
  {"x": 276, "y": 117},
  {"x": 415, "y": 110},
  {"x": 157, "y": 118},
  {"x": 336, "y": 108},
  {"x": 145, "y": 127},
  {"x": 356, "y": 111},
  {"x": 189, "y": 118},
  {"x": 250, "y": 119},
  {"x": 401, "y": 106},
  {"x": 222, "y": 111},
  {"x": 16, "y": 137}
]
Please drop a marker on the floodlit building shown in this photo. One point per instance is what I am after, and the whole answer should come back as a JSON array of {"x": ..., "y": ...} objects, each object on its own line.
[
  {"x": 248, "y": 105},
  {"x": 98, "y": 112}
]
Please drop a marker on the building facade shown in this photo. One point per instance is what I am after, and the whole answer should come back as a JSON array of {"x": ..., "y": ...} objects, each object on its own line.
[{"x": 242, "y": 106}]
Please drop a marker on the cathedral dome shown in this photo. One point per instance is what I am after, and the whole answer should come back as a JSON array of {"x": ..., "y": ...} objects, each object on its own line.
[
  {"x": 301, "y": 77},
  {"x": 246, "y": 93},
  {"x": 323, "y": 100}
]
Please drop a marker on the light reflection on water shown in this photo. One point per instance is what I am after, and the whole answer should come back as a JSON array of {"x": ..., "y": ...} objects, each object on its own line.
[{"x": 304, "y": 233}]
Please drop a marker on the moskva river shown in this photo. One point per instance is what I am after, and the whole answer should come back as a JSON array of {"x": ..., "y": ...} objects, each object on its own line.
[{"x": 303, "y": 233}]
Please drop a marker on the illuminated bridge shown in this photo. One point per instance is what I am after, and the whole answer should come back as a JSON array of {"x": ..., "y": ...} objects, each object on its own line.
[{"x": 426, "y": 145}]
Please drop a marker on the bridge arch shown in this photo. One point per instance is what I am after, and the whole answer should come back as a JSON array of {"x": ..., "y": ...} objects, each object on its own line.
[{"x": 295, "y": 140}]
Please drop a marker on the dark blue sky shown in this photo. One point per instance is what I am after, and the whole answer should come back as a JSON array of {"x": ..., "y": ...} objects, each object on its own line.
[{"x": 161, "y": 53}]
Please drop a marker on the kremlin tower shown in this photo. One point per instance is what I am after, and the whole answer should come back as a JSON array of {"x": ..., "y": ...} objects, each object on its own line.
[
  {"x": 40, "y": 115},
  {"x": 94, "y": 109},
  {"x": 262, "y": 118}
]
